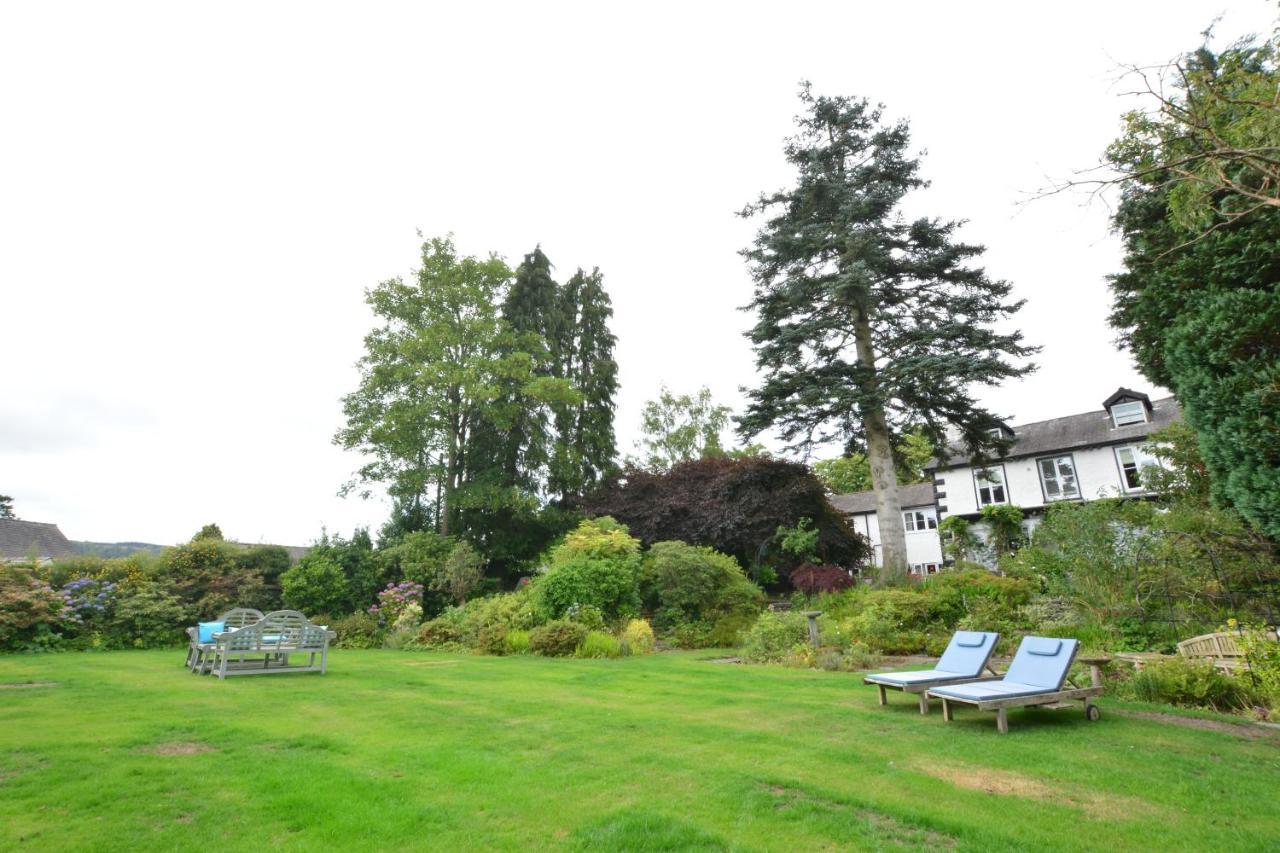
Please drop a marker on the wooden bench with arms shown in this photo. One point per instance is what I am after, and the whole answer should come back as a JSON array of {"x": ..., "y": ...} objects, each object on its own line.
[{"x": 265, "y": 646}]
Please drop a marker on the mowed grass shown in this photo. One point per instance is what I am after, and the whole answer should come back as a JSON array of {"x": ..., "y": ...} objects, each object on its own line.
[{"x": 396, "y": 750}]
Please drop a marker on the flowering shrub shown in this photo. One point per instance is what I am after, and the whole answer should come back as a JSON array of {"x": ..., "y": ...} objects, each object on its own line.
[
  {"x": 358, "y": 631},
  {"x": 774, "y": 636},
  {"x": 396, "y": 599},
  {"x": 88, "y": 601}
]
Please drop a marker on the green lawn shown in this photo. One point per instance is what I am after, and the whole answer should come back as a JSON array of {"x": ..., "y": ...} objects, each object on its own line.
[{"x": 395, "y": 750}]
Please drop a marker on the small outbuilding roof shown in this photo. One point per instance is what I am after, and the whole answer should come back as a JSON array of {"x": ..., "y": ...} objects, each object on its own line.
[
  {"x": 19, "y": 539},
  {"x": 917, "y": 494}
]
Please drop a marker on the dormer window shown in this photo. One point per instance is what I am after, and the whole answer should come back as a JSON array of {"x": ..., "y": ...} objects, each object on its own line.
[
  {"x": 1132, "y": 412},
  {"x": 1127, "y": 407}
]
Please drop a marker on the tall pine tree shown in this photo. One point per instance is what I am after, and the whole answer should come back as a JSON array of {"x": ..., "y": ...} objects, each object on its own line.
[
  {"x": 585, "y": 446},
  {"x": 868, "y": 323}
]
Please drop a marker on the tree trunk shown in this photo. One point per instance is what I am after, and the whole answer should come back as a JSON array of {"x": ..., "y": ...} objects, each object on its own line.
[
  {"x": 450, "y": 474},
  {"x": 884, "y": 475}
]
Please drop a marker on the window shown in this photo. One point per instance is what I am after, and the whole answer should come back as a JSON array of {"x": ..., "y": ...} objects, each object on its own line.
[
  {"x": 990, "y": 482},
  {"x": 1132, "y": 460},
  {"x": 1058, "y": 474},
  {"x": 1123, "y": 414},
  {"x": 917, "y": 520}
]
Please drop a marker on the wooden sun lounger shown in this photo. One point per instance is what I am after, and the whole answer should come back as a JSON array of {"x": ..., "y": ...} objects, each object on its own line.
[
  {"x": 1035, "y": 678},
  {"x": 963, "y": 662}
]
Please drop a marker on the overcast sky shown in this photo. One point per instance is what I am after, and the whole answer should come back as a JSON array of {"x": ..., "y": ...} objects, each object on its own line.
[{"x": 193, "y": 199}]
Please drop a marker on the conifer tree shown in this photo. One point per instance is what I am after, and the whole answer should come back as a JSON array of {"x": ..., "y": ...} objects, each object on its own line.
[
  {"x": 585, "y": 445},
  {"x": 867, "y": 323}
]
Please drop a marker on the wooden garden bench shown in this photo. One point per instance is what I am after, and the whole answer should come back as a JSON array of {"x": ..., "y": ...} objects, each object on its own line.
[
  {"x": 265, "y": 646},
  {"x": 199, "y": 654},
  {"x": 1220, "y": 648}
]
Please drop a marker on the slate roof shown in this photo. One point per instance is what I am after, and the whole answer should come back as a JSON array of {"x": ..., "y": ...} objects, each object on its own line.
[
  {"x": 17, "y": 538},
  {"x": 1090, "y": 429},
  {"x": 917, "y": 494}
]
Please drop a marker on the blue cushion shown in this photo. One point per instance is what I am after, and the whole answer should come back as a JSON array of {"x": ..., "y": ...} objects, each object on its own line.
[
  {"x": 208, "y": 629},
  {"x": 1045, "y": 646},
  {"x": 970, "y": 638},
  {"x": 1042, "y": 662},
  {"x": 271, "y": 638},
  {"x": 968, "y": 652}
]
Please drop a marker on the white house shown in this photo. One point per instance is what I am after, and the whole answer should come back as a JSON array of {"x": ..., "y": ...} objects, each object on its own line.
[
  {"x": 919, "y": 519},
  {"x": 1074, "y": 458}
]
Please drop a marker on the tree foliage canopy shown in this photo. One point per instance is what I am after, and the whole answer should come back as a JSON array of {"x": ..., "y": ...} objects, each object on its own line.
[
  {"x": 732, "y": 505},
  {"x": 1197, "y": 302}
]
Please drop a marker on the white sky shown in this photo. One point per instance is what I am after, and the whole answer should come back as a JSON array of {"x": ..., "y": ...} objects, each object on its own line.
[{"x": 193, "y": 199}]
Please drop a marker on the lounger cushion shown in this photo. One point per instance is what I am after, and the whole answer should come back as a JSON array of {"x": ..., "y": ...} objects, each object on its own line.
[
  {"x": 1042, "y": 661},
  {"x": 914, "y": 677},
  {"x": 967, "y": 653},
  {"x": 984, "y": 690},
  {"x": 208, "y": 629}
]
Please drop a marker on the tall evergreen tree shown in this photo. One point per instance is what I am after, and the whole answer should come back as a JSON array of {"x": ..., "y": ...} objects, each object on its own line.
[
  {"x": 1197, "y": 302},
  {"x": 585, "y": 446},
  {"x": 868, "y": 323}
]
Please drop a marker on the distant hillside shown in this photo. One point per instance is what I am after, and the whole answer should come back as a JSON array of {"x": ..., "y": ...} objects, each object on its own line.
[
  {"x": 107, "y": 550},
  {"x": 115, "y": 549}
]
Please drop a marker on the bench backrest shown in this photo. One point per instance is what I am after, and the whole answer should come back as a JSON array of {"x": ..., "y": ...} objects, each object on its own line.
[
  {"x": 240, "y": 617},
  {"x": 1217, "y": 645},
  {"x": 968, "y": 652},
  {"x": 280, "y": 630},
  {"x": 1042, "y": 662}
]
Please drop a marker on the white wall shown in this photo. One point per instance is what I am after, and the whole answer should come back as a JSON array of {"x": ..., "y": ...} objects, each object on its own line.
[
  {"x": 1097, "y": 475},
  {"x": 923, "y": 546}
]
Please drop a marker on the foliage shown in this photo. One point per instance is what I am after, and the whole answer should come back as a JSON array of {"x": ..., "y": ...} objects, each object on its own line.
[
  {"x": 360, "y": 630},
  {"x": 517, "y": 642},
  {"x": 442, "y": 632},
  {"x": 1191, "y": 683},
  {"x": 800, "y": 540},
  {"x": 460, "y": 574},
  {"x": 207, "y": 572},
  {"x": 6, "y": 507},
  {"x": 365, "y": 570},
  {"x": 773, "y": 637},
  {"x": 1146, "y": 574},
  {"x": 598, "y": 644},
  {"x": 150, "y": 616},
  {"x": 687, "y": 583},
  {"x": 557, "y": 639},
  {"x": 813, "y": 580},
  {"x": 314, "y": 586},
  {"x": 597, "y": 564},
  {"x": 638, "y": 637},
  {"x": 209, "y": 531},
  {"x": 1197, "y": 303},
  {"x": 852, "y": 472},
  {"x": 1207, "y": 135},
  {"x": 88, "y": 602},
  {"x": 869, "y": 324},
  {"x": 732, "y": 505},
  {"x": 1004, "y": 523},
  {"x": 1262, "y": 653},
  {"x": 433, "y": 373},
  {"x": 959, "y": 542},
  {"x": 26, "y": 604},
  {"x": 680, "y": 428}
]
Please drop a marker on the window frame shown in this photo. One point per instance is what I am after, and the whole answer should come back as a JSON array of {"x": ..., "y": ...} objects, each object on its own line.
[
  {"x": 1075, "y": 476},
  {"x": 926, "y": 516},
  {"x": 1141, "y": 411},
  {"x": 1139, "y": 456},
  {"x": 977, "y": 487}
]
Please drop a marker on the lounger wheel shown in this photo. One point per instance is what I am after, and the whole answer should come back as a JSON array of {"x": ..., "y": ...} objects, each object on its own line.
[{"x": 1092, "y": 713}]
